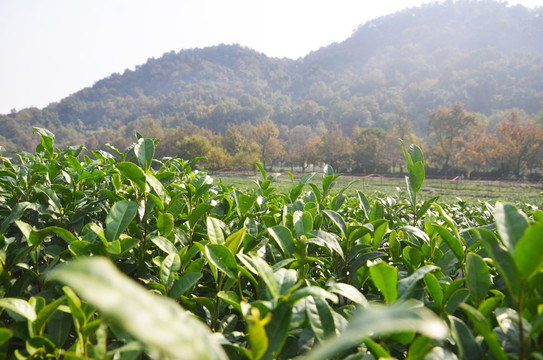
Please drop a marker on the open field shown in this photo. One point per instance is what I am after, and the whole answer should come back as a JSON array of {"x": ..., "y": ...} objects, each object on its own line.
[{"x": 519, "y": 193}]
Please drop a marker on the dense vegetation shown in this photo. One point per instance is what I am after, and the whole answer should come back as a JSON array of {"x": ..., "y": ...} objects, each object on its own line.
[
  {"x": 124, "y": 256},
  {"x": 388, "y": 78}
]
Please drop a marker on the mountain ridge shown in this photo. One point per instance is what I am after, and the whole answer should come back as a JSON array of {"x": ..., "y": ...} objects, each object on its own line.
[{"x": 483, "y": 54}]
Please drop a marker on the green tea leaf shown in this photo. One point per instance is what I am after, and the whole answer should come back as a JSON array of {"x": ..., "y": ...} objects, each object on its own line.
[
  {"x": 145, "y": 151},
  {"x": 119, "y": 217},
  {"x": 53, "y": 198},
  {"x": 230, "y": 297},
  {"x": 257, "y": 334},
  {"x": 503, "y": 259},
  {"x": 164, "y": 244},
  {"x": 277, "y": 331},
  {"x": 320, "y": 317},
  {"x": 169, "y": 266},
  {"x": 303, "y": 222},
  {"x": 483, "y": 327},
  {"x": 185, "y": 282},
  {"x": 156, "y": 321},
  {"x": 36, "y": 237},
  {"x": 529, "y": 251},
  {"x": 376, "y": 350},
  {"x": 283, "y": 238},
  {"x": 134, "y": 173},
  {"x": 5, "y": 335},
  {"x": 234, "y": 241},
  {"x": 266, "y": 274},
  {"x": 454, "y": 242},
  {"x": 45, "y": 314},
  {"x": 330, "y": 240},
  {"x": 338, "y": 220},
  {"x": 406, "y": 286},
  {"x": 244, "y": 203},
  {"x": 221, "y": 257},
  {"x": 350, "y": 292},
  {"x": 511, "y": 224},
  {"x": 420, "y": 348},
  {"x": 19, "y": 306},
  {"x": 468, "y": 348},
  {"x": 416, "y": 176},
  {"x": 198, "y": 212},
  {"x": 434, "y": 288},
  {"x": 380, "y": 320},
  {"x": 157, "y": 186},
  {"x": 364, "y": 203},
  {"x": 286, "y": 279},
  {"x": 214, "y": 230},
  {"x": 15, "y": 214},
  {"x": 385, "y": 277},
  {"x": 477, "y": 277},
  {"x": 165, "y": 223},
  {"x": 314, "y": 291}
]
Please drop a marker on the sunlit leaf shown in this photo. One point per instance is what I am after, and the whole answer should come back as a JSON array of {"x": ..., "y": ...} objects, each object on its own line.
[
  {"x": 156, "y": 321},
  {"x": 119, "y": 217},
  {"x": 222, "y": 258},
  {"x": 19, "y": 306},
  {"x": 198, "y": 212},
  {"x": 529, "y": 251},
  {"x": 379, "y": 320},
  {"x": 145, "y": 151},
  {"x": 214, "y": 230},
  {"x": 283, "y": 238},
  {"x": 330, "y": 240},
  {"x": 511, "y": 224},
  {"x": 134, "y": 173},
  {"x": 338, "y": 220},
  {"x": 385, "y": 277}
]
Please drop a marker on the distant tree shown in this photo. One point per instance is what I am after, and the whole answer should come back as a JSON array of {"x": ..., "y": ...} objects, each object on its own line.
[
  {"x": 335, "y": 148},
  {"x": 266, "y": 135},
  {"x": 169, "y": 142},
  {"x": 244, "y": 151},
  {"x": 297, "y": 138},
  {"x": 521, "y": 146},
  {"x": 446, "y": 129},
  {"x": 194, "y": 146},
  {"x": 399, "y": 128},
  {"x": 480, "y": 150},
  {"x": 369, "y": 150},
  {"x": 217, "y": 158}
]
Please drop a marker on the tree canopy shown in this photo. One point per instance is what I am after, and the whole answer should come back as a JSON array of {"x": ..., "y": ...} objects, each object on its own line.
[{"x": 395, "y": 73}]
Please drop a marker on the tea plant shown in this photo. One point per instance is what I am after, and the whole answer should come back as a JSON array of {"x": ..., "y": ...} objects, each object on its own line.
[{"x": 124, "y": 256}]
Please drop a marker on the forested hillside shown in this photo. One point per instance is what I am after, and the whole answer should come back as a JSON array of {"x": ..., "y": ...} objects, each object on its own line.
[{"x": 476, "y": 66}]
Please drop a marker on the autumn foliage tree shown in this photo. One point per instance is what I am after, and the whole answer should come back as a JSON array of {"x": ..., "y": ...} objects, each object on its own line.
[
  {"x": 480, "y": 150},
  {"x": 298, "y": 147},
  {"x": 335, "y": 148},
  {"x": 520, "y": 145},
  {"x": 446, "y": 129},
  {"x": 266, "y": 135}
]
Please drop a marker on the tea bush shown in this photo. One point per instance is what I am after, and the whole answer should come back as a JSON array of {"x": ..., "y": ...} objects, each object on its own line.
[{"x": 124, "y": 256}]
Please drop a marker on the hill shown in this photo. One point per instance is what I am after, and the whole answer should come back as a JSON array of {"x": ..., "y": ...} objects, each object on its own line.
[{"x": 483, "y": 54}]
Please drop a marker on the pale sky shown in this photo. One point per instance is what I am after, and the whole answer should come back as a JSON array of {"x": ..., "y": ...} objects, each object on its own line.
[{"x": 50, "y": 49}]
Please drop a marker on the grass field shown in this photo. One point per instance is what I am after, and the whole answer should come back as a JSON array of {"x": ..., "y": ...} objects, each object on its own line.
[{"x": 518, "y": 193}]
